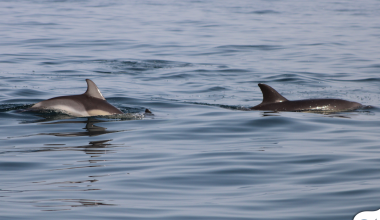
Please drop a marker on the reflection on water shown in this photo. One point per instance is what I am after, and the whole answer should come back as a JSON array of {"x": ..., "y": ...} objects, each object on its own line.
[
  {"x": 94, "y": 147},
  {"x": 91, "y": 128},
  {"x": 272, "y": 113},
  {"x": 56, "y": 205},
  {"x": 83, "y": 182}
]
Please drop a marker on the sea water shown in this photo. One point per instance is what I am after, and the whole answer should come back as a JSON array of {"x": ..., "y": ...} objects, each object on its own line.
[{"x": 195, "y": 65}]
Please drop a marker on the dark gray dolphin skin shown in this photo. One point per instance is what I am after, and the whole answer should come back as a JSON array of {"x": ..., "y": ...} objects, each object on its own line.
[
  {"x": 90, "y": 103},
  {"x": 273, "y": 101}
]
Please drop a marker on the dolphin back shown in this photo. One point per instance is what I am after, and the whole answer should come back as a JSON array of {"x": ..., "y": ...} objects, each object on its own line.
[
  {"x": 273, "y": 101},
  {"x": 90, "y": 103}
]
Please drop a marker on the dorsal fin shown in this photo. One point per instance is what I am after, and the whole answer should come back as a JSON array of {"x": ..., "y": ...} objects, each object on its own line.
[
  {"x": 92, "y": 90},
  {"x": 270, "y": 95}
]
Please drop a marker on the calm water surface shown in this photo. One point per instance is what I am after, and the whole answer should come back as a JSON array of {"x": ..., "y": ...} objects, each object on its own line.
[{"x": 194, "y": 64}]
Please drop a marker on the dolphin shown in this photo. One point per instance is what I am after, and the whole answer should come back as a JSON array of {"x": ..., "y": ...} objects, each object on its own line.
[
  {"x": 273, "y": 101},
  {"x": 90, "y": 103}
]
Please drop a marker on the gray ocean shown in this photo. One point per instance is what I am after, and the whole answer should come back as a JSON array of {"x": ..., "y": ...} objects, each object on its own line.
[{"x": 195, "y": 64}]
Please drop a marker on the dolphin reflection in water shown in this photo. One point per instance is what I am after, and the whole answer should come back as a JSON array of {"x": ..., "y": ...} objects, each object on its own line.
[
  {"x": 273, "y": 101},
  {"x": 91, "y": 130},
  {"x": 90, "y": 103}
]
